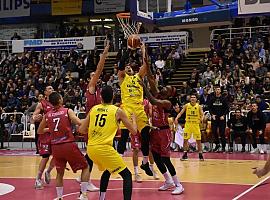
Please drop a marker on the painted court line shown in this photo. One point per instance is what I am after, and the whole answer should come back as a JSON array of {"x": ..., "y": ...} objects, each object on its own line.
[{"x": 253, "y": 187}]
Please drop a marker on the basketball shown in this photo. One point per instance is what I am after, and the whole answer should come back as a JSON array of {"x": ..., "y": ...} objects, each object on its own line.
[{"x": 134, "y": 41}]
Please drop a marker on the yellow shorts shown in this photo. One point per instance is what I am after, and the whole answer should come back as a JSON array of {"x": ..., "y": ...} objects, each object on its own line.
[
  {"x": 138, "y": 110},
  {"x": 192, "y": 129},
  {"x": 106, "y": 158}
]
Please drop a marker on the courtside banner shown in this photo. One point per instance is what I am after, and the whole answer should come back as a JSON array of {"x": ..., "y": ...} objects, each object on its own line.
[
  {"x": 14, "y": 8},
  {"x": 253, "y": 6},
  {"x": 62, "y": 44},
  {"x": 66, "y": 7},
  {"x": 164, "y": 38}
]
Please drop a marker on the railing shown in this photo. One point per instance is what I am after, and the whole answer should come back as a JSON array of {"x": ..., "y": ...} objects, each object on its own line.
[
  {"x": 231, "y": 33},
  {"x": 6, "y": 46}
]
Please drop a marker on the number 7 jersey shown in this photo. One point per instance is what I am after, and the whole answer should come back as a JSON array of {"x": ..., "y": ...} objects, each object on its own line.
[{"x": 103, "y": 125}]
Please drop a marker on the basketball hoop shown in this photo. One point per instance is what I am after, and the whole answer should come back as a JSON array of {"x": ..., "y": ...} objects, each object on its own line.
[{"x": 128, "y": 25}]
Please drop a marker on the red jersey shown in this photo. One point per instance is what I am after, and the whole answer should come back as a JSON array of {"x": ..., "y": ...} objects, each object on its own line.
[
  {"x": 46, "y": 105},
  {"x": 60, "y": 126},
  {"x": 146, "y": 106},
  {"x": 159, "y": 117},
  {"x": 92, "y": 99}
]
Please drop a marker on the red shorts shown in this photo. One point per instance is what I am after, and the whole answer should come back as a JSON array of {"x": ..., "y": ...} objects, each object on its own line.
[
  {"x": 68, "y": 152},
  {"x": 135, "y": 141},
  {"x": 160, "y": 142},
  {"x": 44, "y": 144}
]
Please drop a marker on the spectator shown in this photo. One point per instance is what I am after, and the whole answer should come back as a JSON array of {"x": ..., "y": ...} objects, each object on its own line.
[{"x": 16, "y": 36}]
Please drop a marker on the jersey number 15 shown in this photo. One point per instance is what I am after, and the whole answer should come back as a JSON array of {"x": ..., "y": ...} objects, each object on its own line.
[{"x": 100, "y": 120}]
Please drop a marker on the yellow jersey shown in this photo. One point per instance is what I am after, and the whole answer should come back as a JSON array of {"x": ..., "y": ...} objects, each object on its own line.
[
  {"x": 193, "y": 113},
  {"x": 103, "y": 125},
  {"x": 131, "y": 90}
]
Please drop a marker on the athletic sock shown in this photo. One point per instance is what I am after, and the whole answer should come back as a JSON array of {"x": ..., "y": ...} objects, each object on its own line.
[
  {"x": 176, "y": 181},
  {"x": 59, "y": 192},
  {"x": 136, "y": 170},
  {"x": 102, "y": 195},
  {"x": 84, "y": 187}
]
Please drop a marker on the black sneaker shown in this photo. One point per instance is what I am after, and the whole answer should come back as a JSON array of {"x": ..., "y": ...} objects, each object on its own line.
[
  {"x": 184, "y": 157},
  {"x": 216, "y": 148},
  {"x": 201, "y": 157},
  {"x": 230, "y": 150},
  {"x": 147, "y": 169}
]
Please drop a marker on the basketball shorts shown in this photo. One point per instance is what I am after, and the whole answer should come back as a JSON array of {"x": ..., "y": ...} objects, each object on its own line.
[
  {"x": 138, "y": 110},
  {"x": 135, "y": 141},
  {"x": 44, "y": 144},
  {"x": 68, "y": 153},
  {"x": 106, "y": 158},
  {"x": 192, "y": 129},
  {"x": 160, "y": 142}
]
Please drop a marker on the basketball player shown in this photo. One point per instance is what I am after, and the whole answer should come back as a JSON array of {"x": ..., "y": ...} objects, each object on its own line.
[
  {"x": 64, "y": 149},
  {"x": 132, "y": 102},
  {"x": 93, "y": 98},
  {"x": 260, "y": 172},
  {"x": 161, "y": 138},
  {"x": 194, "y": 117},
  {"x": 44, "y": 146},
  {"x": 102, "y": 129}
]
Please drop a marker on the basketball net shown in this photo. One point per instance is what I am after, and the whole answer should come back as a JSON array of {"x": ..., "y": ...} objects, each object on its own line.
[{"x": 128, "y": 25}]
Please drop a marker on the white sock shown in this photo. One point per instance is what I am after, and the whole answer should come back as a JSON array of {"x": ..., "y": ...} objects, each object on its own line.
[
  {"x": 136, "y": 170},
  {"x": 84, "y": 187},
  {"x": 151, "y": 166},
  {"x": 167, "y": 177},
  {"x": 102, "y": 195},
  {"x": 176, "y": 181},
  {"x": 59, "y": 192},
  {"x": 145, "y": 160}
]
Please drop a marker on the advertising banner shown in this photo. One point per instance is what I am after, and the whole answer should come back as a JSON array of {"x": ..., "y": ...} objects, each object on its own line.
[
  {"x": 62, "y": 44},
  {"x": 253, "y": 6},
  {"x": 109, "y": 6},
  {"x": 14, "y": 8},
  {"x": 66, "y": 7}
]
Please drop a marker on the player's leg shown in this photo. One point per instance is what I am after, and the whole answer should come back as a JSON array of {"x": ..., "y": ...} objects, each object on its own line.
[
  {"x": 152, "y": 163},
  {"x": 104, "y": 181},
  {"x": 121, "y": 147},
  {"x": 41, "y": 168},
  {"x": 198, "y": 137},
  {"x": 91, "y": 187},
  {"x": 214, "y": 127},
  {"x": 47, "y": 173},
  {"x": 127, "y": 183},
  {"x": 59, "y": 183},
  {"x": 135, "y": 157},
  {"x": 187, "y": 135}
]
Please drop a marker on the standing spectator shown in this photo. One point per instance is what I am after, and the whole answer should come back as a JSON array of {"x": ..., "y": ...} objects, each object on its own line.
[
  {"x": 16, "y": 36},
  {"x": 238, "y": 128},
  {"x": 256, "y": 125},
  {"x": 160, "y": 63},
  {"x": 218, "y": 108}
]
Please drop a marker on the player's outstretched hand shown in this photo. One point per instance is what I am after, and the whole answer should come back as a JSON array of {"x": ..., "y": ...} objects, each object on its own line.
[{"x": 260, "y": 172}]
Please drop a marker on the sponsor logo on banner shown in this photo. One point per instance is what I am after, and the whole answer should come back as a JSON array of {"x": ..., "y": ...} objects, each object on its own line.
[
  {"x": 66, "y": 7},
  {"x": 253, "y": 6},
  {"x": 62, "y": 44},
  {"x": 108, "y": 6},
  {"x": 164, "y": 38},
  {"x": 14, "y": 8}
]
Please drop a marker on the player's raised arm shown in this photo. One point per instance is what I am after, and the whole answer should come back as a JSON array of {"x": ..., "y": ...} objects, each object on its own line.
[
  {"x": 37, "y": 117},
  {"x": 100, "y": 66},
  {"x": 145, "y": 67},
  {"x": 42, "y": 126},
  {"x": 121, "y": 66}
]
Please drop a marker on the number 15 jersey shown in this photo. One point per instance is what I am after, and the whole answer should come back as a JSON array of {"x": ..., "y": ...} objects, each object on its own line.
[{"x": 103, "y": 125}]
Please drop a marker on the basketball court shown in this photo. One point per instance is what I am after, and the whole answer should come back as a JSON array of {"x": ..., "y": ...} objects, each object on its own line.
[{"x": 220, "y": 176}]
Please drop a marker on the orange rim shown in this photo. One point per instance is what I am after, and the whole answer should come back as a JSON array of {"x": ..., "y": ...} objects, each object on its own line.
[{"x": 123, "y": 15}]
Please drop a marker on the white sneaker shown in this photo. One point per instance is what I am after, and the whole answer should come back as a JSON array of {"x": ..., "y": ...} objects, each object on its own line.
[
  {"x": 166, "y": 186},
  {"x": 47, "y": 177},
  {"x": 254, "y": 150},
  {"x": 83, "y": 196},
  {"x": 178, "y": 190},
  {"x": 138, "y": 178},
  {"x": 261, "y": 151},
  {"x": 92, "y": 188},
  {"x": 38, "y": 184}
]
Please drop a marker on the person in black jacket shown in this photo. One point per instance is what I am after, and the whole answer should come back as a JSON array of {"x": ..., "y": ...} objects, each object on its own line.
[
  {"x": 238, "y": 128},
  {"x": 256, "y": 123},
  {"x": 218, "y": 108}
]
